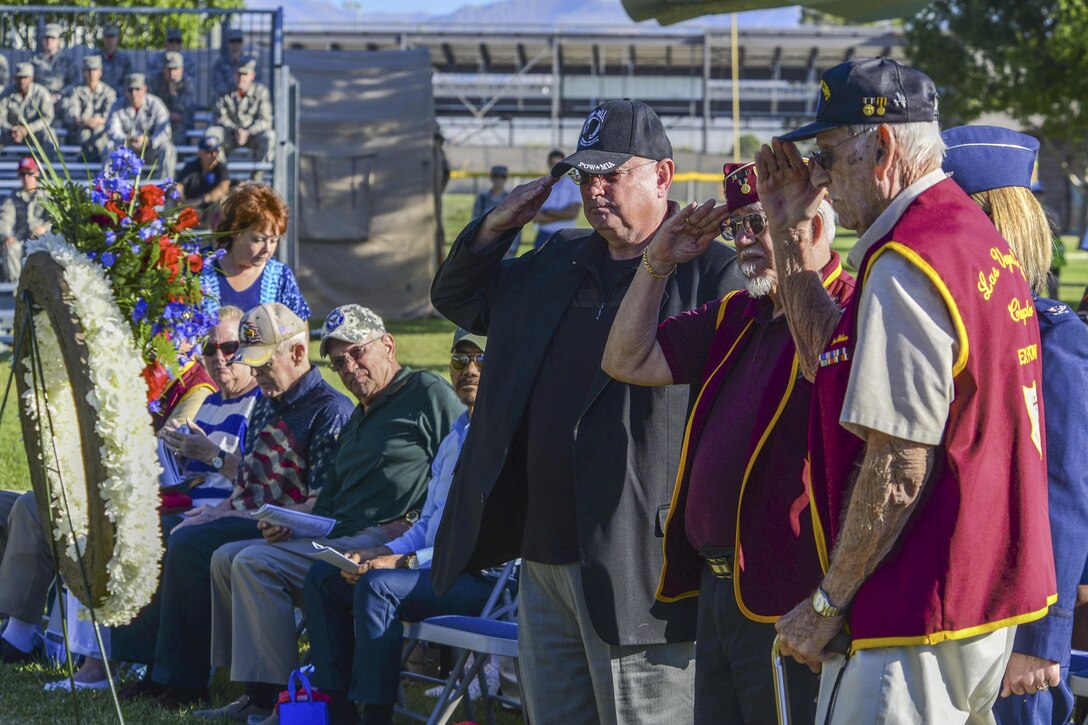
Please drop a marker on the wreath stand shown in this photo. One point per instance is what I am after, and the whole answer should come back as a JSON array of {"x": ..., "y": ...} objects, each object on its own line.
[{"x": 42, "y": 289}]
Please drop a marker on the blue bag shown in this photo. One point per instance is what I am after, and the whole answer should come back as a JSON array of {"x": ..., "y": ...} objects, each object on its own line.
[{"x": 299, "y": 704}]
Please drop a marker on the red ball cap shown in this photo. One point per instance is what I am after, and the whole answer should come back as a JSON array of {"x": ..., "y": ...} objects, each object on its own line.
[
  {"x": 27, "y": 165},
  {"x": 739, "y": 185}
]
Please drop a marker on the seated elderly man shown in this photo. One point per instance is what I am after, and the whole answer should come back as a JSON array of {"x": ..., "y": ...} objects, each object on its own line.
[
  {"x": 26, "y": 566},
  {"x": 290, "y": 448},
  {"x": 375, "y": 488},
  {"x": 359, "y": 657}
]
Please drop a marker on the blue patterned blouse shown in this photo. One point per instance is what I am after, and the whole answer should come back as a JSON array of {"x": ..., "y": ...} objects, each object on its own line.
[{"x": 276, "y": 284}]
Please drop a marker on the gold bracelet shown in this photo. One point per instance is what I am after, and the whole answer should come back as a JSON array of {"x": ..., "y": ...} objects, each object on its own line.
[{"x": 650, "y": 269}]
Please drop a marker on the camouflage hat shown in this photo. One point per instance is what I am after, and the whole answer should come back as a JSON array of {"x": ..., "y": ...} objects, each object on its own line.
[
  {"x": 262, "y": 329},
  {"x": 350, "y": 324},
  {"x": 52, "y": 30},
  {"x": 248, "y": 65},
  {"x": 24, "y": 70},
  {"x": 111, "y": 31},
  {"x": 92, "y": 62},
  {"x": 463, "y": 335},
  {"x": 173, "y": 59},
  {"x": 135, "y": 80}
]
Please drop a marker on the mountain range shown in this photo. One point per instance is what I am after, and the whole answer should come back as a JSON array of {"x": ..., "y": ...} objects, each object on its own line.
[{"x": 525, "y": 14}]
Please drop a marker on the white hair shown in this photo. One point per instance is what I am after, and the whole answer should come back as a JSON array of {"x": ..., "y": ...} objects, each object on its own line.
[
  {"x": 827, "y": 221},
  {"x": 920, "y": 145}
]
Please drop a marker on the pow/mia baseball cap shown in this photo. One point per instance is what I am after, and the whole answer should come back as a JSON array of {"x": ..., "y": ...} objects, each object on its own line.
[
  {"x": 173, "y": 59},
  {"x": 739, "y": 185},
  {"x": 463, "y": 335},
  {"x": 614, "y": 132},
  {"x": 350, "y": 324},
  {"x": 262, "y": 329},
  {"x": 870, "y": 91},
  {"x": 24, "y": 70},
  {"x": 981, "y": 158},
  {"x": 135, "y": 80},
  {"x": 92, "y": 62}
]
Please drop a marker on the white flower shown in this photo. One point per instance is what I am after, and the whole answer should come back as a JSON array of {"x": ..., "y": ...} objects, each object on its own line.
[{"x": 130, "y": 491}]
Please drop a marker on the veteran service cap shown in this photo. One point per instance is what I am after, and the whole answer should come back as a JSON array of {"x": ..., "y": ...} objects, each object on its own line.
[
  {"x": 870, "y": 91},
  {"x": 981, "y": 158},
  {"x": 350, "y": 324},
  {"x": 262, "y": 329},
  {"x": 739, "y": 185},
  {"x": 614, "y": 132}
]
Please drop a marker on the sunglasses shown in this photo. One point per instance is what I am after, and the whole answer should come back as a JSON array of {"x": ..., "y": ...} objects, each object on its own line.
[
  {"x": 460, "y": 361},
  {"x": 581, "y": 178},
  {"x": 356, "y": 354},
  {"x": 754, "y": 224},
  {"x": 825, "y": 158},
  {"x": 228, "y": 348}
]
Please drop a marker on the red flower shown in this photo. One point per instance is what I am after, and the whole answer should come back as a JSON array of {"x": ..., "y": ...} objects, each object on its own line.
[
  {"x": 145, "y": 214},
  {"x": 168, "y": 256},
  {"x": 188, "y": 218},
  {"x": 151, "y": 195},
  {"x": 113, "y": 207},
  {"x": 157, "y": 378},
  {"x": 196, "y": 263}
]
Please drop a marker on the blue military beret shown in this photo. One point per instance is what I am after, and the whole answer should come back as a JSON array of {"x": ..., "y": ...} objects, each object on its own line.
[{"x": 981, "y": 158}]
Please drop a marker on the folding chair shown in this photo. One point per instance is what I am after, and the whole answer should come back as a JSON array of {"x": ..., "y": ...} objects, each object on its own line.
[
  {"x": 493, "y": 633},
  {"x": 1078, "y": 676}
]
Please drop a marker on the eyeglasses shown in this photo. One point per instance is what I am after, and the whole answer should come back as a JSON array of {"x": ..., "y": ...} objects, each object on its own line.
[
  {"x": 581, "y": 178},
  {"x": 460, "y": 361},
  {"x": 229, "y": 348},
  {"x": 752, "y": 223},
  {"x": 825, "y": 158},
  {"x": 356, "y": 354}
]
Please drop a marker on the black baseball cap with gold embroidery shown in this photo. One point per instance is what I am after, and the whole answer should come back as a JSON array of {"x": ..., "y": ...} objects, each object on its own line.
[{"x": 870, "y": 91}]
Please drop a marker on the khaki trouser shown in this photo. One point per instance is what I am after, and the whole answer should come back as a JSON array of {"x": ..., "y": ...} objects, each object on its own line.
[
  {"x": 956, "y": 681},
  {"x": 255, "y": 589}
]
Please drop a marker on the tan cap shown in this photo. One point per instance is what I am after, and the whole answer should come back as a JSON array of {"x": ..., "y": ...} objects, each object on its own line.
[
  {"x": 52, "y": 30},
  {"x": 135, "y": 80},
  {"x": 24, "y": 70},
  {"x": 174, "y": 59},
  {"x": 350, "y": 324},
  {"x": 261, "y": 331}
]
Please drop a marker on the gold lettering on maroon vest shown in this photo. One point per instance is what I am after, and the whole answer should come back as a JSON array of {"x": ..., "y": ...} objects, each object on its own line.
[
  {"x": 1006, "y": 260},
  {"x": 1027, "y": 355},
  {"x": 1031, "y": 402},
  {"x": 986, "y": 282},
  {"x": 1019, "y": 312}
]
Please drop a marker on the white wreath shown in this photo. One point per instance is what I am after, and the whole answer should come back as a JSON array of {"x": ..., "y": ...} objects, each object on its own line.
[{"x": 131, "y": 489}]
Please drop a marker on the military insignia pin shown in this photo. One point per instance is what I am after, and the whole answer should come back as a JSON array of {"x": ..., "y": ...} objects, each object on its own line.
[
  {"x": 881, "y": 105},
  {"x": 868, "y": 107}
]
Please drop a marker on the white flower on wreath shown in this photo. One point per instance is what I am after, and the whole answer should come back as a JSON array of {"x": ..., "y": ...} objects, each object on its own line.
[{"x": 129, "y": 453}]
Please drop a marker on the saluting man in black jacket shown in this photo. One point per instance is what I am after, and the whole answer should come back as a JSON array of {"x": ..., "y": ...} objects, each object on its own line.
[{"x": 563, "y": 466}]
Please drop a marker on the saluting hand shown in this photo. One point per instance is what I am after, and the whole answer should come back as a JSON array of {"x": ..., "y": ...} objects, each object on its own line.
[
  {"x": 786, "y": 190},
  {"x": 685, "y": 235},
  {"x": 518, "y": 209}
]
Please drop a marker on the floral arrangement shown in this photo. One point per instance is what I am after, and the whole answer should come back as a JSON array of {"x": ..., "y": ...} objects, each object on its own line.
[
  {"x": 151, "y": 258},
  {"x": 131, "y": 489}
]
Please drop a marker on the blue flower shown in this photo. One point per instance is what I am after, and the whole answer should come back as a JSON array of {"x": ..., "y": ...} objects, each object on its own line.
[
  {"x": 136, "y": 248},
  {"x": 146, "y": 233},
  {"x": 219, "y": 254},
  {"x": 126, "y": 222},
  {"x": 174, "y": 309},
  {"x": 92, "y": 255},
  {"x": 111, "y": 237},
  {"x": 155, "y": 406},
  {"x": 124, "y": 164},
  {"x": 139, "y": 312},
  {"x": 108, "y": 258},
  {"x": 99, "y": 197}
]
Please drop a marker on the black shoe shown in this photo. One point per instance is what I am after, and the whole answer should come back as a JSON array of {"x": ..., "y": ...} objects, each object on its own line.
[
  {"x": 12, "y": 655},
  {"x": 143, "y": 689}
]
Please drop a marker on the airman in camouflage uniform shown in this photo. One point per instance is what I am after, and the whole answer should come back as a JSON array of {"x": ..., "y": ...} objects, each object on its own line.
[
  {"x": 244, "y": 116},
  {"x": 88, "y": 106},
  {"x": 4, "y": 72},
  {"x": 141, "y": 122},
  {"x": 25, "y": 108},
  {"x": 53, "y": 68},
  {"x": 227, "y": 64},
  {"x": 175, "y": 89},
  {"x": 174, "y": 40},
  {"x": 116, "y": 65},
  {"x": 22, "y": 217}
]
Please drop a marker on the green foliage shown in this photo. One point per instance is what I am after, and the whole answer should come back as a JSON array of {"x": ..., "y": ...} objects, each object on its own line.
[
  {"x": 138, "y": 31},
  {"x": 1026, "y": 59}
]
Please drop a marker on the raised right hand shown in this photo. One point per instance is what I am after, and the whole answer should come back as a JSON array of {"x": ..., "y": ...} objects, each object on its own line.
[
  {"x": 685, "y": 235},
  {"x": 518, "y": 208},
  {"x": 787, "y": 193}
]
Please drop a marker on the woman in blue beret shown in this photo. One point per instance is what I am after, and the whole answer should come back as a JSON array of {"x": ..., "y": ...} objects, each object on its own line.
[{"x": 994, "y": 166}]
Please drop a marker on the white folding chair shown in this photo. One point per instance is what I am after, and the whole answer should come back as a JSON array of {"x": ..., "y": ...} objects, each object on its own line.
[{"x": 493, "y": 633}]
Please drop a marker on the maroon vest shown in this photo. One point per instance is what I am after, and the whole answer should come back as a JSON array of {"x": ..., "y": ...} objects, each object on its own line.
[
  {"x": 191, "y": 377},
  {"x": 976, "y": 555},
  {"x": 776, "y": 562}
]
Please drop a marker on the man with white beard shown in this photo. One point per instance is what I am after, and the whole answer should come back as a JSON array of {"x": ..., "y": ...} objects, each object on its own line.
[{"x": 741, "y": 496}]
